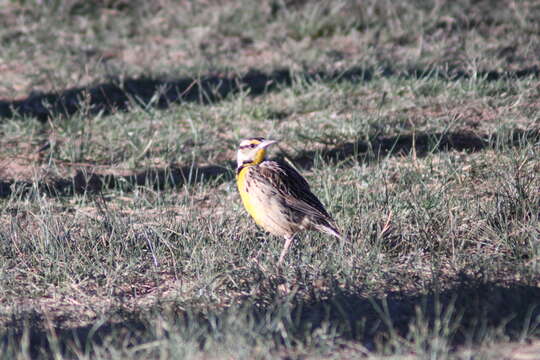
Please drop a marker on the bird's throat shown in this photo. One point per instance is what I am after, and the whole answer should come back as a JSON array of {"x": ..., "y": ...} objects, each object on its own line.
[{"x": 259, "y": 158}]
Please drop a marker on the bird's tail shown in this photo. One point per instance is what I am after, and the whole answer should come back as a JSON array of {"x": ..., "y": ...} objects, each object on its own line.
[{"x": 331, "y": 229}]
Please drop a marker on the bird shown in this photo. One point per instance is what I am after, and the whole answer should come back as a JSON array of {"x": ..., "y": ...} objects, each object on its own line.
[{"x": 276, "y": 196}]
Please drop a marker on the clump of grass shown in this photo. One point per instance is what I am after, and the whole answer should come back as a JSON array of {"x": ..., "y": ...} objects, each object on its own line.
[{"x": 121, "y": 231}]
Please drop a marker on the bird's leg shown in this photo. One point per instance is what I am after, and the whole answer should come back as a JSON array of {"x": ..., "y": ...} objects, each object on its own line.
[{"x": 288, "y": 241}]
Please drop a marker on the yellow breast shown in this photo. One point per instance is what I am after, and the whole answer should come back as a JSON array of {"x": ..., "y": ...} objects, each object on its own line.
[{"x": 253, "y": 207}]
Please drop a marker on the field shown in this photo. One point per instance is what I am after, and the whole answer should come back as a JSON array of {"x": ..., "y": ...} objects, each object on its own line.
[{"x": 122, "y": 234}]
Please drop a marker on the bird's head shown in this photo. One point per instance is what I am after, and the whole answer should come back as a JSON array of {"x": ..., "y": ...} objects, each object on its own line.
[{"x": 252, "y": 151}]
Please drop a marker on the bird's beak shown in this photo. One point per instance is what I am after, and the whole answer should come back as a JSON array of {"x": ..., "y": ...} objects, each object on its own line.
[{"x": 267, "y": 143}]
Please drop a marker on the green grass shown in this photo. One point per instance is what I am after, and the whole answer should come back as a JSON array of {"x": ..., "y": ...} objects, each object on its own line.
[{"x": 122, "y": 234}]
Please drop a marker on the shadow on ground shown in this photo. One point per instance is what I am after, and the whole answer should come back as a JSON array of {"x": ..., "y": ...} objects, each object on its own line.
[
  {"x": 144, "y": 92},
  {"x": 85, "y": 182},
  {"x": 468, "y": 313}
]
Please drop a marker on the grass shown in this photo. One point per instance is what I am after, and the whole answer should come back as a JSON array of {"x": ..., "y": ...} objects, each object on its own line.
[{"x": 121, "y": 230}]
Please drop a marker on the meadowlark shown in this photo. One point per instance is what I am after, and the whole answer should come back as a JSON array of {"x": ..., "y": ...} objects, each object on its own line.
[{"x": 277, "y": 196}]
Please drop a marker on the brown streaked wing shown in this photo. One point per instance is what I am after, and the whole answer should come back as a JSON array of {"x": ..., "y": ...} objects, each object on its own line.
[{"x": 293, "y": 188}]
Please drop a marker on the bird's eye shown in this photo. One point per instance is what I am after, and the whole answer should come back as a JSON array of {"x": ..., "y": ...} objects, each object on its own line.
[{"x": 252, "y": 145}]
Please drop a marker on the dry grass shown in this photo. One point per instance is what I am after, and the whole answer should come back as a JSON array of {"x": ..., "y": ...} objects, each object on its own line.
[{"x": 121, "y": 231}]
